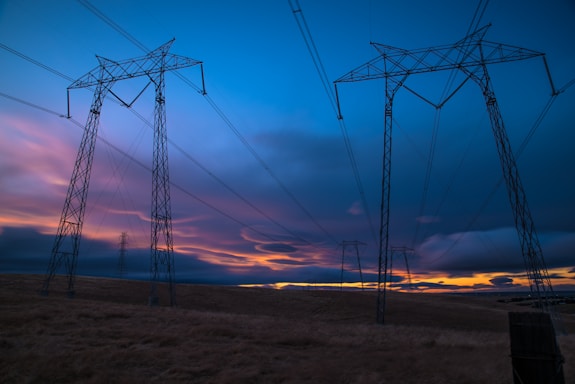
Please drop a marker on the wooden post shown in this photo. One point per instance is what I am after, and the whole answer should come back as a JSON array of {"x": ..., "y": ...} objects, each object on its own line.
[{"x": 535, "y": 354}]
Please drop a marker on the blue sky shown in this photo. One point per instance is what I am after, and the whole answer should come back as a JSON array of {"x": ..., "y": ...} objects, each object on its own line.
[{"x": 259, "y": 73}]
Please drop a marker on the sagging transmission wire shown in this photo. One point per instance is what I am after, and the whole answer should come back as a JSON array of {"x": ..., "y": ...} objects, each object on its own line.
[
  {"x": 225, "y": 185},
  {"x": 430, "y": 158},
  {"x": 445, "y": 96},
  {"x": 218, "y": 110},
  {"x": 139, "y": 163},
  {"x": 145, "y": 121},
  {"x": 318, "y": 64},
  {"x": 518, "y": 153}
]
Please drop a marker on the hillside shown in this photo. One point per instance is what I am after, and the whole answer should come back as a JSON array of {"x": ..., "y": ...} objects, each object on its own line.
[{"x": 251, "y": 335}]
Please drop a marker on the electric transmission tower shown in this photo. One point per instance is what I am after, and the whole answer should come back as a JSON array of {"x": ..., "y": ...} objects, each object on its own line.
[
  {"x": 471, "y": 55},
  {"x": 354, "y": 245},
  {"x": 122, "y": 255},
  {"x": 101, "y": 79},
  {"x": 402, "y": 251}
]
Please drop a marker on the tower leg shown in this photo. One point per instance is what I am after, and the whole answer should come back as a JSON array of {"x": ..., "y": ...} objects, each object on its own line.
[
  {"x": 539, "y": 281},
  {"x": 162, "y": 248},
  {"x": 67, "y": 241},
  {"x": 384, "y": 214}
]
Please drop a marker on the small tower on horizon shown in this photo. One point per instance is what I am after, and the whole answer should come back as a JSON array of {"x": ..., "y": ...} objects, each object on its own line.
[
  {"x": 354, "y": 245},
  {"x": 122, "y": 255}
]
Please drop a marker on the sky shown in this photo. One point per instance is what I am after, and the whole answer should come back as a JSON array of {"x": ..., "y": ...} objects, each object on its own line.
[{"x": 267, "y": 195}]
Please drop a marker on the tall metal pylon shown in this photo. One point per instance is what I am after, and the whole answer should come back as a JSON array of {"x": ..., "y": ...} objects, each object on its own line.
[
  {"x": 354, "y": 245},
  {"x": 66, "y": 245},
  {"x": 470, "y": 55}
]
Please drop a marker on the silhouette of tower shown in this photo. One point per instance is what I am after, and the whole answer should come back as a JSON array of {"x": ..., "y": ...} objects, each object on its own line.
[
  {"x": 470, "y": 55},
  {"x": 66, "y": 245},
  {"x": 401, "y": 251},
  {"x": 354, "y": 246}
]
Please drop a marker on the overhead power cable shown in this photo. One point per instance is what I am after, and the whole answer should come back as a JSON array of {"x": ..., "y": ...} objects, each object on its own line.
[
  {"x": 113, "y": 25},
  {"x": 225, "y": 185},
  {"x": 445, "y": 96},
  {"x": 21, "y": 101},
  {"x": 39, "y": 64},
  {"x": 149, "y": 124},
  {"x": 428, "y": 170},
  {"x": 142, "y": 165},
  {"x": 518, "y": 153},
  {"x": 218, "y": 110},
  {"x": 318, "y": 64}
]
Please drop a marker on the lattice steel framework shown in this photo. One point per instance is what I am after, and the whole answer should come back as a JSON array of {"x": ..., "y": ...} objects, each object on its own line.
[
  {"x": 471, "y": 55},
  {"x": 354, "y": 246},
  {"x": 401, "y": 251},
  {"x": 102, "y": 78}
]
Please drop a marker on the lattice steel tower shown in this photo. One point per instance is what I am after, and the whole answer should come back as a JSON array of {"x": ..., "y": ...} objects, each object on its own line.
[
  {"x": 353, "y": 245},
  {"x": 400, "y": 251},
  {"x": 471, "y": 55},
  {"x": 67, "y": 242}
]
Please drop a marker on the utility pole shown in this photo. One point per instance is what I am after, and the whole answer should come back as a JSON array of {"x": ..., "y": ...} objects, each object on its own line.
[
  {"x": 354, "y": 245},
  {"x": 66, "y": 245},
  {"x": 471, "y": 55}
]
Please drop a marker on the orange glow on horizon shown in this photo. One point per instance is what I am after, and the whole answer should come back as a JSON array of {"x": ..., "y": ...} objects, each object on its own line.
[{"x": 470, "y": 284}]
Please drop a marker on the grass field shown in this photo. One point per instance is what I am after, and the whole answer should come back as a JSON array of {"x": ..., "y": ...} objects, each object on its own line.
[{"x": 108, "y": 334}]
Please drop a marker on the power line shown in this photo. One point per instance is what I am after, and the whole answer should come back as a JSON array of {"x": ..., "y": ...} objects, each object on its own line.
[
  {"x": 218, "y": 110},
  {"x": 226, "y": 186},
  {"x": 111, "y": 23},
  {"x": 318, "y": 64},
  {"x": 39, "y": 64},
  {"x": 21, "y": 101},
  {"x": 426, "y": 183},
  {"x": 473, "y": 25},
  {"x": 179, "y": 148},
  {"x": 518, "y": 153},
  {"x": 142, "y": 165}
]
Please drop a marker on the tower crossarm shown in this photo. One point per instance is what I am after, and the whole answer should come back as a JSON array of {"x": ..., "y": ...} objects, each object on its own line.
[
  {"x": 466, "y": 53},
  {"x": 147, "y": 65}
]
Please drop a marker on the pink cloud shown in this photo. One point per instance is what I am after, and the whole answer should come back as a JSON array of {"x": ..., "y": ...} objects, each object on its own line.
[{"x": 355, "y": 209}]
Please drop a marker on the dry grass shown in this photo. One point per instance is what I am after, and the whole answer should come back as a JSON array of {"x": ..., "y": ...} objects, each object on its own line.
[{"x": 238, "y": 335}]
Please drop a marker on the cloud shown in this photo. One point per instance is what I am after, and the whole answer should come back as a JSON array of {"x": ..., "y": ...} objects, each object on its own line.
[
  {"x": 25, "y": 250},
  {"x": 426, "y": 285},
  {"x": 355, "y": 209},
  {"x": 504, "y": 282},
  {"x": 499, "y": 281},
  {"x": 494, "y": 250}
]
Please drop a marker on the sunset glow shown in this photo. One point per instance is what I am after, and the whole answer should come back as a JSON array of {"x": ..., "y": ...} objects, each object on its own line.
[{"x": 263, "y": 185}]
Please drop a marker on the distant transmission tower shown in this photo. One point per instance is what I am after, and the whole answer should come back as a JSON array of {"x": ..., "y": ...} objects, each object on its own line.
[
  {"x": 401, "y": 251},
  {"x": 354, "y": 245},
  {"x": 471, "y": 55},
  {"x": 122, "y": 255},
  {"x": 102, "y": 78}
]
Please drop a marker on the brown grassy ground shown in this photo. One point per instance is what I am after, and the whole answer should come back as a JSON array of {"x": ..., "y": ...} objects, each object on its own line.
[{"x": 242, "y": 335}]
